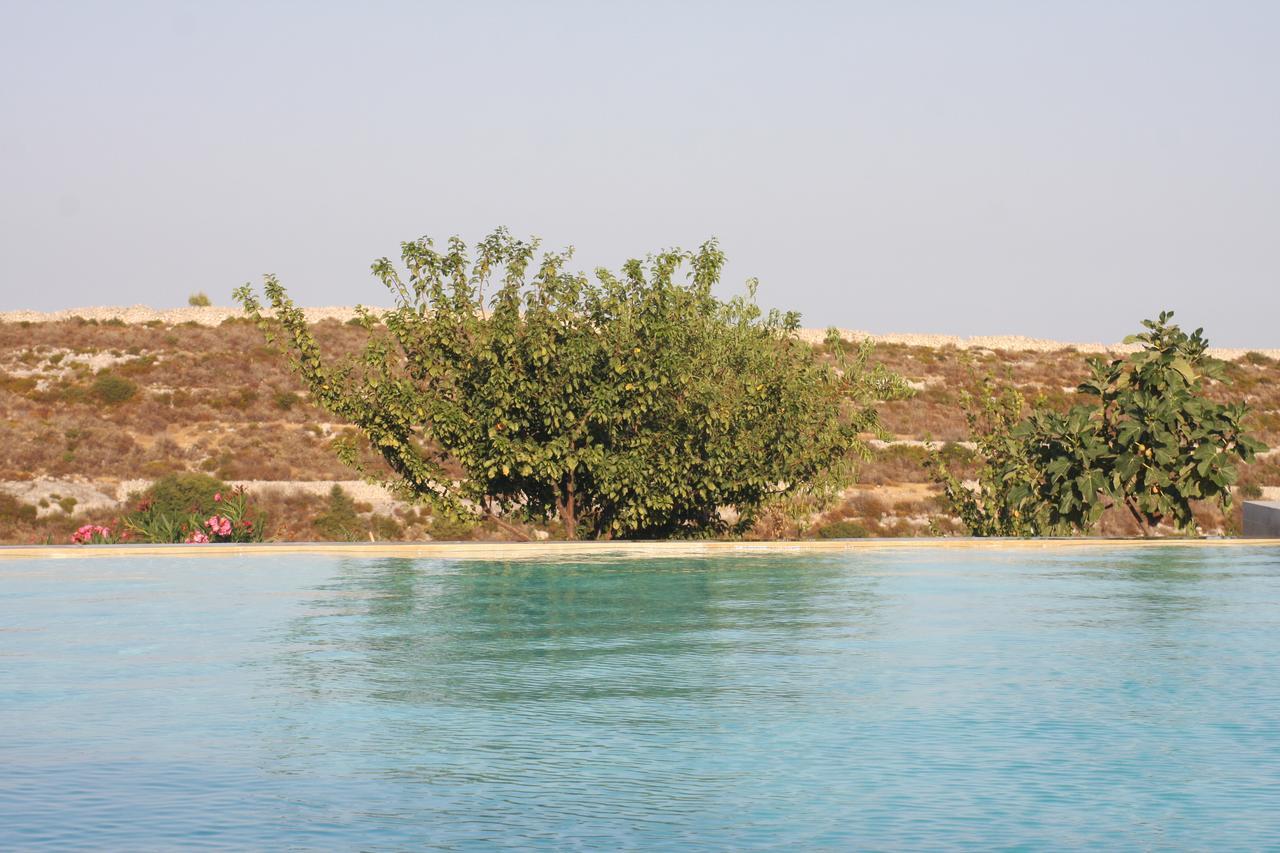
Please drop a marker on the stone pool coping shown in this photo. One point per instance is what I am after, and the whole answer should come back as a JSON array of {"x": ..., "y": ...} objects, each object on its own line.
[{"x": 542, "y": 550}]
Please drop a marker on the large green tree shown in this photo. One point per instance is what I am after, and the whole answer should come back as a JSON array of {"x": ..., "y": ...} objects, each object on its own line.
[
  {"x": 634, "y": 404},
  {"x": 1151, "y": 441}
]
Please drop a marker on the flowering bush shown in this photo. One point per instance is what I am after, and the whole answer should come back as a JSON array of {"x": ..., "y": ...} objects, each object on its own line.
[
  {"x": 219, "y": 525},
  {"x": 94, "y": 534},
  {"x": 235, "y": 520}
]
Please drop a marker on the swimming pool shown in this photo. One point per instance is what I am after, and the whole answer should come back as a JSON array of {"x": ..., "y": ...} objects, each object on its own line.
[{"x": 1115, "y": 697}]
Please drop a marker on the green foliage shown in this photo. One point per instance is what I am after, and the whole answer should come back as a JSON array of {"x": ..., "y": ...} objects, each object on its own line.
[
  {"x": 180, "y": 495},
  {"x": 1250, "y": 491},
  {"x": 1152, "y": 443},
  {"x": 112, "y": 389},
  {"x": 449, "y": 529},
  {"x": 340, "y": 521},
  {"x": 233, "y": 518},
  {"x": 157, "y": 528},
  {"x": 845, "y": 529},
  {"x": 198, "y": 300},
  {"x": 385, "y": 528},
  {"x": 990, "y": 508},
  {"x": 14, "y": 511},
  {"x": 631, "y": 405},
  {"x": 284, "y": 400}
]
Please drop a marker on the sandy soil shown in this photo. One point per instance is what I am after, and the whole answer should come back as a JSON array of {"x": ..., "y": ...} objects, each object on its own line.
[{"x": 214, "y": 315}]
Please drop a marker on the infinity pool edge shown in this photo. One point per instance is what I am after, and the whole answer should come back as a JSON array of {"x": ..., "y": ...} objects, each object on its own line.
[{"x": 539, "y": 550}]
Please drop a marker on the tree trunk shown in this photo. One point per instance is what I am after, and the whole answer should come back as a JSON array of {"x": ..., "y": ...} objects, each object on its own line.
[
  {"x": 567, "y": 510},
  {"x": 1139, "y": 517}
]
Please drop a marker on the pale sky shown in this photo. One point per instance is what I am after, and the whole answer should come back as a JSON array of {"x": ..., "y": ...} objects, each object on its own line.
[{"x": 1051, "y": 169}]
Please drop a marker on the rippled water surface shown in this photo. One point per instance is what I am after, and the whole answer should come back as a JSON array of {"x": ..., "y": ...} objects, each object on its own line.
[{"x": 906, "y": 699}]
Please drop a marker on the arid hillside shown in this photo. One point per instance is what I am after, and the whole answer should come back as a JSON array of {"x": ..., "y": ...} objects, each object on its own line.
[{"x": 93, "y": 410}]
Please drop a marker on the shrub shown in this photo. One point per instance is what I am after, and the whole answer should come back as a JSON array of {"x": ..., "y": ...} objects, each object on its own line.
[
  {"x": 284, "y": 400},
  {"x": 137, "y": 365},
  {"x": 233, "y": 519},
  {"x": 112, "y": 389},
  {"x": 94, "y": 534},
  {"x": 242, "y": 398},
  {"x": 179, "y": 495},
  {"x": 198, "y": 300},
  {"x": 841, "y": 530},
  {"x": 385, "y": 528},
  {"x": 14, "y": 511},
  {"x": 1154, "y": 443},
  {"x": 869, "y": 505},
  {"x": 633, "y": 405},
  {"x": 1250, "y": 491},
  {"x": 339, "y": 521},
  {"x": 449, "y": 529}
]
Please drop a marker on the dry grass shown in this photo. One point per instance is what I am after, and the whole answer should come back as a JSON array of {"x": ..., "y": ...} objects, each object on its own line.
[{"x": 216, "y": 399}]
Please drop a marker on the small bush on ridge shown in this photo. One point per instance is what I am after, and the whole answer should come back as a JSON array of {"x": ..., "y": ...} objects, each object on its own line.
[{"x": 112, "y": 389}]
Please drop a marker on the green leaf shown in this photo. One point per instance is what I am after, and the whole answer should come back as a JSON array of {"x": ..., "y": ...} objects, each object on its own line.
[{"x": 1181, "y": 365}]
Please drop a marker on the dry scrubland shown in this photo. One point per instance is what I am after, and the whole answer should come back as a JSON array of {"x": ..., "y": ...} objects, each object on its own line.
[{"x": 96, "y": 404}]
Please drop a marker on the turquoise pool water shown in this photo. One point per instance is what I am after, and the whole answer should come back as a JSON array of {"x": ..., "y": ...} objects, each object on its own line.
[{"x": 907, "y": 699}]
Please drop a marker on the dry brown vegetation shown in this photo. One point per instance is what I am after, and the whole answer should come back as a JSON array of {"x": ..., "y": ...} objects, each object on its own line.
[{"x": 104, "y": 401}]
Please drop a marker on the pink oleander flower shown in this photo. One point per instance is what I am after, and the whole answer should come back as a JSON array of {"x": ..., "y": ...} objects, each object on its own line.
[
  {"x": 219, "y": 525},
  {"x": 217, "y": 497},
  {"x": 88, "y": 532},
  {"x": 197, "y": 538}
]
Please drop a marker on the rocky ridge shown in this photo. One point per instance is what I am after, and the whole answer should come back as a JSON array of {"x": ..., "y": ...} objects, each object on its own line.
[{"x": 215, "y": 315}]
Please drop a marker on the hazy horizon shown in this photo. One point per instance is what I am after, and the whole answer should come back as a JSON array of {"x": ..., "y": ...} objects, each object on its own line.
[{"x": 1053, "y": 171}]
